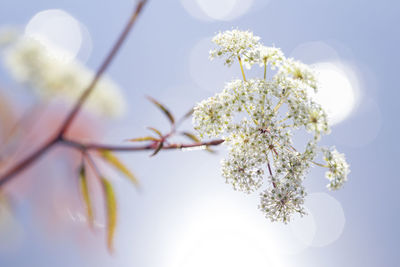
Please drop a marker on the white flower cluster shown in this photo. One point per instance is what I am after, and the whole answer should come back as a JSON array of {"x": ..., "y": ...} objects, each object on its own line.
[
  {"x": 8, "y": 35},
  {"x": 37, "y": 66},
  {"x": 338, "y": 168},
  {"x": 233, "y": 44},
  {"x": 283, "y": 199},
  {"x": 261, "y": 54},
  {"x": 257, "y": 118}
]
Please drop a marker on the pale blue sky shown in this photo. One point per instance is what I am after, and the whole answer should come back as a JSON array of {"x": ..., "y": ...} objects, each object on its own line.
[{"x": 156, "y": 61}]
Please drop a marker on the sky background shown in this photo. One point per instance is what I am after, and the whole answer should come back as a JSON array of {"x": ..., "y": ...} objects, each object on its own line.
[{"x": 185, "y": 214}]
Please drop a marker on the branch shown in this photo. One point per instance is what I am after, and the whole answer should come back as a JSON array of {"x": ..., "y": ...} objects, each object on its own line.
[
  {"x": 93, "y": 146},
  {"x": 107, "y": 61},
  {"x": 23, "y": 164}
]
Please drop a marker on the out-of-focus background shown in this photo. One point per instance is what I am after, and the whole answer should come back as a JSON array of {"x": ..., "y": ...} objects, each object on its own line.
[{"x": 185, "y": 215}]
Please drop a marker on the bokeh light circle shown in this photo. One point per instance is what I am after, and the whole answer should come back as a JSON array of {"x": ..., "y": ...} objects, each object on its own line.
[
  {"x": 86, "y": 46},
  {"x": 219, "y": 226},
  {"x": 316, "y": 51},
  {"x": 57, "y": 30},
  {"x": 304, "y": 227},
  {"x": 337, "y": 93},
  {"x": 225, "y": 248},
  {"x": 329, "y": 218},
  {"x": 222, "y": 10}
]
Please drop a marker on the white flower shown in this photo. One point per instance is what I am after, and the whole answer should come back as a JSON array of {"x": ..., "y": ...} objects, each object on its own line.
[
  {"x": 256, "y": 118},
  {"x": 36, "y": 66},
  {"x": 283, "y": 199},
  {"x": 338, "y": 168},
  {"x": 298, "y": 71},
  {"x": 212, "y": 116},
  {"x": 243, "y": 171},
  {"x": 232, "y": 44},
  {"x": 307, "y": 113},
  {"x": 290, "y": 164},
  {"x": 8, "y": 35},
  {"x": 317, "y": 120},
  {"x": 262, "y": 55}
]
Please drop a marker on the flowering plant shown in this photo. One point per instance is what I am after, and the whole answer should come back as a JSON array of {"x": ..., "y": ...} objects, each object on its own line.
[{"x": 258, "y": 119}]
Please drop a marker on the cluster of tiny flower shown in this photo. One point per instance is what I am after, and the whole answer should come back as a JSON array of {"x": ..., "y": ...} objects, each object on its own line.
[
  {"x": 283, "y": 199},
  {"x": 256, "y": 118},
  {"x": 338, "y": 168},
  {"x": 233, "y": 44},
  {"x": 36, "y": 65}
]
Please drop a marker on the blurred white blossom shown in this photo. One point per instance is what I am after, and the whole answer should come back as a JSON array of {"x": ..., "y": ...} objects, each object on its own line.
[
  {"x": 258, "y": 117},
  {"x": 38, "y": 67},
  {"x": 8, "y": 35}
]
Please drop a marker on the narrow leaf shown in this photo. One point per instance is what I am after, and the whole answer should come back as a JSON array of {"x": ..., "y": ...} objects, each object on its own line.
[
  {"x": 163, "y": 109},
  {"x": 85, "y": 195},
  {"x": 156, "y": 131},
  {"x": 159, "y": 147},
  {"x": 141, "y": 139},
  {"x": 189, "y": 113},
  {"x": 194, "y": 138},
  {"x": 114, "y": 161},
  {"x": 191, "y": 136},
  {"x": 186, "y": 116},
  {"x": 111, "y": 212},
  {"x": 208, "y": 149}
]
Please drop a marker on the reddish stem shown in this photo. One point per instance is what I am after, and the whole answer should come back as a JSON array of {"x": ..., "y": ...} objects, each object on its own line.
[
  {"x": 93, "y": 146},
  {"x": 270, "y": 172},
  {"x": 107, "y": 61},
  {"x": 22, "y": 165}
]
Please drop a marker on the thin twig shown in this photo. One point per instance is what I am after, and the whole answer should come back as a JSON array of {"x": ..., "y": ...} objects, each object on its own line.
[
  {"x": 93, "y": 165},
  {"x": 93, "y": 146},
  {"x": 22, "y": 165},
  {"x": 241, "y": 68},
  {"x": 102, "y": 68},
  {"x": 320, "y": 164},
  {"x": 270, "y": 173}
]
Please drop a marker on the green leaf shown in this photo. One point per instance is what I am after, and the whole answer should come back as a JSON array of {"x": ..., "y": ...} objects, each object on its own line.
[
  {"x": 208, "y": 149},
  {"x": 163, "y": 109},
  {"x": 188, "y": 114},
  {"x": 141, "y": 139},
  {"x": 85, "y": 195},
  {"x": 114, "y": 161},
  {"x": 111, "y": 212},
  {"x": 159, "y": 147},
  {"x": 192, "y": 137},
  {"x": 156, "y": 131}
]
